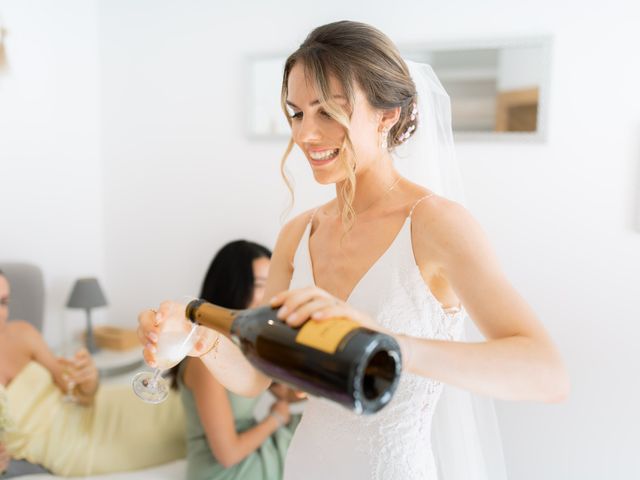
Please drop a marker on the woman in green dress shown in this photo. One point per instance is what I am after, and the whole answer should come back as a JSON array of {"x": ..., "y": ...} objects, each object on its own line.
[{"x": 224, "y": 441}]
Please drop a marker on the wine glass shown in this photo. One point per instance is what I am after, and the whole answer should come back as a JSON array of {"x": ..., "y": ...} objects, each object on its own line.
[
  {"x": 68, "y": 396},
  {"x": 68, "y": 352},
  {"x": 176, "y": 338}
]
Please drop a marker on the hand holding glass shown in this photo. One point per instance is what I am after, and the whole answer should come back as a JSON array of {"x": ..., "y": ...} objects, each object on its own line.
[
  {"x": 67, "y": 363},
  {"x": 177, "y": 337}
]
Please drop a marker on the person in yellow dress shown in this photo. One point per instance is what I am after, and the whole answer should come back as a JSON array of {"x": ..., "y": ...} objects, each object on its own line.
[{"x": 101, "y": 431}]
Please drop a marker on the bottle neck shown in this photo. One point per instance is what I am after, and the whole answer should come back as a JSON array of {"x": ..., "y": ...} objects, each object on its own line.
[{"x": 210, "y": 315}]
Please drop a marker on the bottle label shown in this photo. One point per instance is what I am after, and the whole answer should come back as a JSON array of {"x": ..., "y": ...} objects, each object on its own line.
[{"x": 327, "y": 334}]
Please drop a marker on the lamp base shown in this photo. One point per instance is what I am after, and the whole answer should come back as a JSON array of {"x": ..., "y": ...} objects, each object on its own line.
[
  {"x": 92, "y": 347},
  {"x": 90, "y": 341}
]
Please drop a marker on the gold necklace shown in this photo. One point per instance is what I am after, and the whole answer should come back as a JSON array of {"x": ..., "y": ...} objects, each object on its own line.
[{"x": 387, "y": 191}]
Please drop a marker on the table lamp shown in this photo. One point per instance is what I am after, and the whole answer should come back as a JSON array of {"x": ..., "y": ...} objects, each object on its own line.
[{"x": 87, "y": 294}]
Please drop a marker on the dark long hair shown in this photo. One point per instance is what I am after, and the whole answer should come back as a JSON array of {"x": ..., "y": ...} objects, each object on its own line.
[{"x": 229, "y": 280}]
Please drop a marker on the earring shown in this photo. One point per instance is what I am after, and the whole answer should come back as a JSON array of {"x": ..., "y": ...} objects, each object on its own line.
[{"x": 383, "y": 138}]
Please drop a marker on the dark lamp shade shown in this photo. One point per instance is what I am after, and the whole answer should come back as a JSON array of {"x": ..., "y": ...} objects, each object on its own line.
[{"x": 86, "y": 294}]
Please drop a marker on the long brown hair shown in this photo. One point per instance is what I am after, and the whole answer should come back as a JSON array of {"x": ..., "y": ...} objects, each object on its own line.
[{"x": 353, "y": 53}]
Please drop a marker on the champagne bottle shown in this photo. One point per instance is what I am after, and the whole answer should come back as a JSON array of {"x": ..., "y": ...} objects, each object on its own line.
[{"x": 334, "y": 358}]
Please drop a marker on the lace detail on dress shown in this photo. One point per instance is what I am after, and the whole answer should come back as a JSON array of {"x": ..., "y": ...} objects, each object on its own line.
[
  {"x": 395, "y": 443},
  {"x": 407, "y": 421}
]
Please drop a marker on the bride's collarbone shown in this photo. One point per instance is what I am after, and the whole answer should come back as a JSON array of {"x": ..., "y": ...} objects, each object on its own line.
[
  {"x": 375, "y": 223},
  {"x": 344, "y": 258},
  {"x": 364, "y": 239},
  {"x": 341, "y": 259}
]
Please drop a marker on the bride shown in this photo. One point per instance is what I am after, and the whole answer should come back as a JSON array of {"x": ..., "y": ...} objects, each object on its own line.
[{"x": 396, "y": 253}]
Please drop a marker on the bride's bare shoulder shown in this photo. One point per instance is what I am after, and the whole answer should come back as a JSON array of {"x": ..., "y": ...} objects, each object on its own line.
[
  {"x": 294, "y": 228},
  {"x": 282, "y": 260},
  {"x": 291, "y": 234},
  {"x": 444, "y": 227}
]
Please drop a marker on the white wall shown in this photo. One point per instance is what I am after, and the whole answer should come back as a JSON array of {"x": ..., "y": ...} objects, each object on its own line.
[
  {"x": 180, "y": 178},
  {"x": 50, "y": 167}
]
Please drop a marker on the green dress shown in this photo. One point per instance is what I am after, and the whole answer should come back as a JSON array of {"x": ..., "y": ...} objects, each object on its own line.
[{"x": 265, "y": 463}]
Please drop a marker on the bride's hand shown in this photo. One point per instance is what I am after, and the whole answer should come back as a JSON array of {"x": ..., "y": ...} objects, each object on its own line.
[{"x": 313, "y": 303}]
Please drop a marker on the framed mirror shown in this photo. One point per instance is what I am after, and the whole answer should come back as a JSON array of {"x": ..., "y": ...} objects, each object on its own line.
[{"x": 499, "y": 89}]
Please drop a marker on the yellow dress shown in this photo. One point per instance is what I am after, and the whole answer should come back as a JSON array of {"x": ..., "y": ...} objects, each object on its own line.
[{"x": 118, "y": 432}]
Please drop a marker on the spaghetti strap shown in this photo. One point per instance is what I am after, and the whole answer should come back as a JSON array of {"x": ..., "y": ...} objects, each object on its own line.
[
  {"x": 313, "y": 215},
  {"x": 310, "y": 222},
  {"x": 416, "y": 204}
]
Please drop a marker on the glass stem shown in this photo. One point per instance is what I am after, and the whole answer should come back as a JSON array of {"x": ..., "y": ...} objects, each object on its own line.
[{"x": 154, "y": 380}]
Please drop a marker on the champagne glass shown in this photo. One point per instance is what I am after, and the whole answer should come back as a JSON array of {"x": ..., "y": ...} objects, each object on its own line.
[
  {"x": 69, "y": 397},
  {"x": 176, "y": 338},
  {"x": 69, "y": 348}
]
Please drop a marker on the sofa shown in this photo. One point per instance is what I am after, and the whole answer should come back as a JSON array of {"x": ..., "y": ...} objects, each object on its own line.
[{"x": 27, "y": 303}]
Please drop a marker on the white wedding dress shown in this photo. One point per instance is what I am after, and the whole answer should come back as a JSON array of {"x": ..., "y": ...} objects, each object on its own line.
[{"x": 331, "y": 442}]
